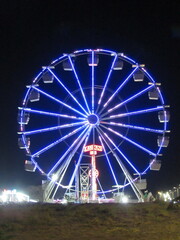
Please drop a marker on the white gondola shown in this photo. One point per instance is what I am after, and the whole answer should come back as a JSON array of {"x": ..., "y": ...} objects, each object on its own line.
[
  {"x": 23, "y": 142},
  {"x": 138, "y": 76},
  {"x": 67, "y": 65},
  {"x": 93, "y": 61},
  {"x": 48, "y": 77},
  {"x": 164, "y": 116},
  {"x": 24, "y": 118},
  {"x": 155, "y": 165},
  {"x": 29, "y": 166},
  {"x": 153, "y": 94},
  {"x": 34, "y": 96},
  {"x": 118, "y": 65},
  {"x": 163, "y": 141},
  {"x": 141, "y": 184}
]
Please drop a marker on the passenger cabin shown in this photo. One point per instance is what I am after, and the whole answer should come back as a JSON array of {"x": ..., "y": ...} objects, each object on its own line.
[
  {"x": 29, "y": 166},
  {"x": 163, "y": 141},
  {"x": 138, "y": 76},
  {"x": 153, "y": 94},
  {"x": 67, "y": 65},
  {"x": 155, "y": 165},
  {"x": 48, "y": 77},
  {"x": 23, "y": 142},
  {"x": 141, "y": 184},
  {"x": 118, "y": 65},
  {"x": 34, "y": 96},
  {"x": 164, "y": 116},
  {"x": 93, "y": 61},
  {"x": 23, "y": 118}
]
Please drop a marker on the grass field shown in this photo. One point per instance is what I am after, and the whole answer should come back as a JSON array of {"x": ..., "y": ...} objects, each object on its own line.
[{"x": 149, "y": 221}]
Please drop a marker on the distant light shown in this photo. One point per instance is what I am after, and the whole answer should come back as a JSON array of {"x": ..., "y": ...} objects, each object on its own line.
[
  {"x": 4, "y": 197},
  {"x": 54, "y": 177},
  {"x": 166, "y": 196},
  {"x": 124, "y": 199},
  {"x": 64, "y": 201},
  {"x": 13, "y": 196}
]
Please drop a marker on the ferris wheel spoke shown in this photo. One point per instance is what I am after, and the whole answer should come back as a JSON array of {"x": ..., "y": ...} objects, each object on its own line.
[
  {"x": 93, "y": 134},
  {"x": 128, "y": 100},
  {"x": 126, "y": 173},
  {"x": 60, "y": 82},
  {"x": 102, "y": 190},
  {"x": 79, "y": 138},
  {"x": 131, "y": 141},
  {"x": 48, "y": 129},
  {"x": 59, "y": 140},
  {"x": 109, "y": 163},
  {"x": 92, "y": 80},
  {"x": 123, "y": 168},
  {"x": 80, "y": 157},
  {"x": 61, "y": 172},
  {"x": 104, "y": 137},
  {"x": 64, "y": 167},
  {"x": 118, "y": 89},
  {"x": 79, "y": 83},
  {"x": 57, "y": 100},
  {"x": 133, "y": 127},
  {"x": 107, "y": 80},
  {"x": 148, "y": 110},
  {"x": 129, "y": 178},
  {"x": 50, "y": 113}
]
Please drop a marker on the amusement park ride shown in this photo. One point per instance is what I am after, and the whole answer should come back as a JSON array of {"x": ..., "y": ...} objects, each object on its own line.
[{"x": 93, "y": 123}]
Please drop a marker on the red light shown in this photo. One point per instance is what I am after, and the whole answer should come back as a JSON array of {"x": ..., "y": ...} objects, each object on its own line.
[
  {"x": 93, "y": 147},
  {"x": 96, "y": 173}
]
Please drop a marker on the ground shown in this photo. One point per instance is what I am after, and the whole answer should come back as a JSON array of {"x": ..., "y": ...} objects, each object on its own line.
[{"x": 149, "y": 221}]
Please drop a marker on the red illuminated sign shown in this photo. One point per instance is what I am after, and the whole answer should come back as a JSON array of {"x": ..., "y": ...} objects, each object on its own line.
[{"x": 92, "y": 147}]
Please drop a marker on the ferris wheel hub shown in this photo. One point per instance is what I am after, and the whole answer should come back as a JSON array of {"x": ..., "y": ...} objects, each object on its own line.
[{"x": 93, "y": 119}]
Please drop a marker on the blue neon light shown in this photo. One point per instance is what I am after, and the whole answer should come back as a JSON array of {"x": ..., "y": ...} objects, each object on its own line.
[
  {"x": 121, "y": 86},
  {"x": 129, "y": 140},
  {"x": 105, "y": 134},
  {"x": 68, "y": 150},
  {"x": 133, "y": 127},
  {"x": 109, "y": 163},
  {"x": 77, "y": 78},
  {"x": 48, "y": 129},
  {"x": 107, "y": 79},
  {"x": 67, "y": 90},
  {"x": 57, "y": 100},
  {"x": 58, "y": 141},
  {"x": 51, "y": 113},
  {"x": 92, "y": 79},
  {"x": 133, "y": 113},
  {"x": 66, "y": 164},
  {"x": 129, "y": 99},
  {"x": 80, "y": 157},
  {"x": 102, "y": 191}
]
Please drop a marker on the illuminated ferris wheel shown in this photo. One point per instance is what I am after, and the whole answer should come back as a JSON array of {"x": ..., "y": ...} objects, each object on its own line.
[{"x": 93, "y": 99}]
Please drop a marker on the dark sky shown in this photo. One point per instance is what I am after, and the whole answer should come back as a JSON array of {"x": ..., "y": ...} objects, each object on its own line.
[{"x": 34, "y": 32}]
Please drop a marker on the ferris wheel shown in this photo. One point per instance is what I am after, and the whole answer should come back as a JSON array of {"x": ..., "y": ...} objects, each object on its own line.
[{"x": 93, "y": 98}]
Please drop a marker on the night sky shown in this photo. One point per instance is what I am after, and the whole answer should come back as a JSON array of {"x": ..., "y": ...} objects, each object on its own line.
[{"x": 34, "y": 32}]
